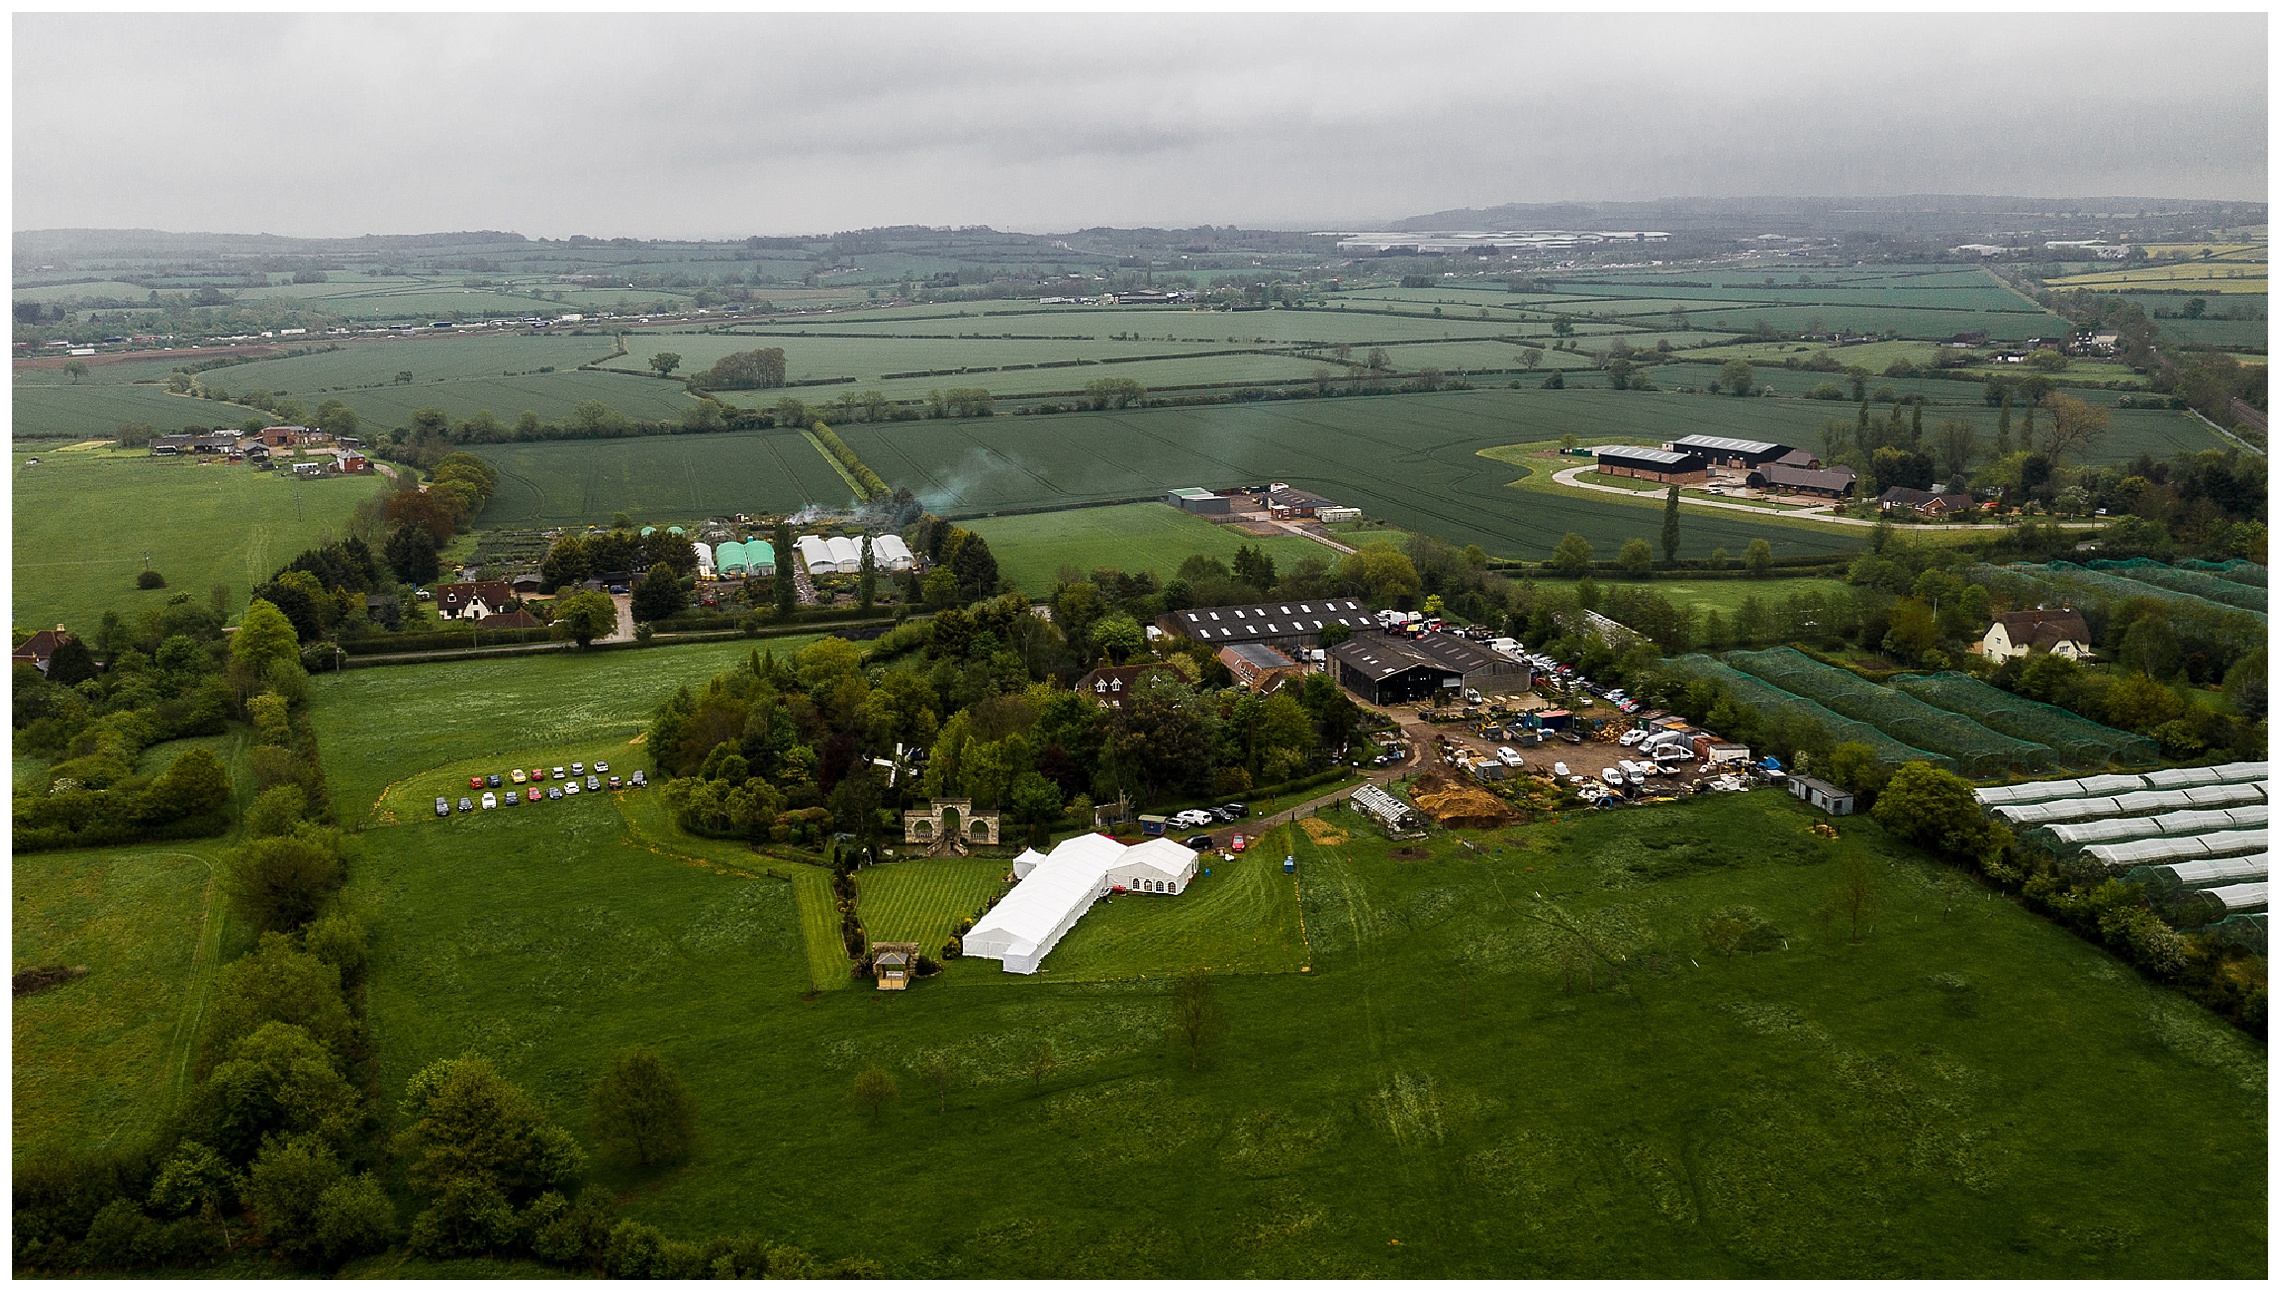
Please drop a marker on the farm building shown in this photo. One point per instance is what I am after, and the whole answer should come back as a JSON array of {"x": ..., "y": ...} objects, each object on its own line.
[
  {"x": 1202, "y": 502},
  {"x": 1825, "y": 482},
  {"x": 1333, "y": 515},
  {"x": 705, "y": 567},
  {"x": 1286, "y": 503},
  {"x": 1109, "y": 686},
  {"x": 1381, "y": 806},
  {"x": 1821, "y": 794},
  {"x": 1282, "y": 623},
  {"x": 890, "y": 553},
  {"x": 1483, "y": 670},
  {"x": 1662, "y": 466},
  {"x": 2061, "y": 632},
  {"x": 1057, "y": 888},
  {"x": 1726, "y": 451},
  {"x": 1257, "y": 665},
  {"x": 816, "y": 555},
  {"x": 473, "y": 600},
  {"x": 1391, "y": 670}
]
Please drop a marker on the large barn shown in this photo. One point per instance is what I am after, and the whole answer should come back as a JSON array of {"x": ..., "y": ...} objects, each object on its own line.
[
  {"x": 1397, "y": 670},
  {"x": 1282, "y": 623},
  {"x": 1726, "y": 451},
  {"x": 1663, "y": 466},
  {"x": 1057, "y": 888}
]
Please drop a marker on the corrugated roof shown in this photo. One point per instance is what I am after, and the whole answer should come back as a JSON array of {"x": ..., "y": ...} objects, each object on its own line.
[
  {"x": 1727, "y": 444},
  {"x": 1272, "y": 620},
  {"x": 1658, "y": 457}
]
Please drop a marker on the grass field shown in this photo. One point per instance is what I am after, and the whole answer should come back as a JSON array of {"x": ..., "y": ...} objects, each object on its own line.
[
  {"x": 1726, "y": 595},
  {"x": 84, "y": 518},
  {"x": 1952, "y": 1096},
  {"x": 547, "y": 708},
  {"x": 99, "y": 1061},
  {"x": 1406, "y": 459},
  {"x": 47, "y": 410},
  {"x": 658, "y": 478},
  {"x": 1031, "y": 550},
  {"x": 921, "y": 900}
]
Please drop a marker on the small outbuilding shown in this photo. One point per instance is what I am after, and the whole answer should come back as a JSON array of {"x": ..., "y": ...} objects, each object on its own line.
[
  {"x": 1821, "y": 794},
  {"x": 1202, "y": 502},
  {"x": 894, "y": 964}
]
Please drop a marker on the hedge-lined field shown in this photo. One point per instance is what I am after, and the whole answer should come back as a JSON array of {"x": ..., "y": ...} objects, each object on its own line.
[
  {"x": 1031, "y": 550},
  {"x": 658, "y": 479}
]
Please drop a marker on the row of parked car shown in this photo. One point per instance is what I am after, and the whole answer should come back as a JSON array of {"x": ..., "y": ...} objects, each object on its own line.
[
  {"x": 574, "y": 779},
  {"x": 1194, "y": 817}
]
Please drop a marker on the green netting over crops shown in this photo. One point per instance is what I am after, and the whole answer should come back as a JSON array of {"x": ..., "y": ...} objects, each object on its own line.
[
  {"x": 2077, "y": 740},
  {"x": 1977, "y": 750},
  {"x": 1780, "y": 704},
  {"x": 2248, "y": 572},
  {"x": 2210, "y": 586},
  {"x": 2117, "y": 586}
]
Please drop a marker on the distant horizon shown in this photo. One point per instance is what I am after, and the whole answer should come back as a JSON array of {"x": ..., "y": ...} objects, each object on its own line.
[{"x": 2093, "y": 205}]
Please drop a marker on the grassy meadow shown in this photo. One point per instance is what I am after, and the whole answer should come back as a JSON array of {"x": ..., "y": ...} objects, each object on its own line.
[
  {"x": 1031, "y": 550},
  {"x": 1415, "y": 1079},
  {"x": 83, "y": 518}
]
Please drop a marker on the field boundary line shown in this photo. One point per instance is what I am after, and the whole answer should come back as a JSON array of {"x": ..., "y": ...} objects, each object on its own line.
[
  {"x": 833, "y": 459},
  {"x": 205, "y": 963}
]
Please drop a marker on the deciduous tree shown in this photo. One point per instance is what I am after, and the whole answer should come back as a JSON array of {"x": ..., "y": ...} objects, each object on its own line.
[{"x": 643, "y": 1112}]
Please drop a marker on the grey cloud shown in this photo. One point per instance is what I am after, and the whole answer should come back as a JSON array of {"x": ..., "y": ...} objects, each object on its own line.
[{"x": 731, "y": 124}]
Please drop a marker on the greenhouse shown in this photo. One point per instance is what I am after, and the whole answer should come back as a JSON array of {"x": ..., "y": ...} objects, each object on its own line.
[
  {"x": 2073, "y": 836},
  {"x": 2238, "y": 898},
  {"x": 2244, "y": 931},
  {"x": 2177, "y": 778},
  {"x": 2223, "y": 591},
  {"x": 2117, "y": 587},
  {"x": 1995, "y": 796},
  {"x": 705, "y": 567},
  {"x": 846, "y": 554},
  {"x": 1977, "y": 749},
  {"x": 730, "y": 559},
  {"x": 2025, "y": 816},
  {"x": 2076, "y": 739},
  {"x": 816, "y": 555},
  {"x": 1777, "y": 704},
  {"x": 2194, "y": 847},
  {"x": 760, "y": 558},
  {"x": 2173, "y": 880}
]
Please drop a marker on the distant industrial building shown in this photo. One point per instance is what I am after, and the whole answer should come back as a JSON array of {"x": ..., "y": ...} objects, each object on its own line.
[
  {"x": 1282, "y": 623},
  {"x": 1725, "y": 451},
  {"x": 1202, "y": 502},
  {"x": 1663, "y": 466}
]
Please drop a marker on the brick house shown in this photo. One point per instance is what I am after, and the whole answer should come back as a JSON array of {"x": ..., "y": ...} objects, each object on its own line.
[
  {"x": 1109, "y": 686},
  {"x": 40, "y": 647}
]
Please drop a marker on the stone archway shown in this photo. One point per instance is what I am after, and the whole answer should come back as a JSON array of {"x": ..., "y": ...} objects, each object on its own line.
[{"x": 948, "y": 827}]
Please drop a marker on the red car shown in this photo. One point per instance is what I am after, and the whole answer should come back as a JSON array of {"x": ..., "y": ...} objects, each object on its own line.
[
  {"x": 1239, "y": 843},
  {"x": 534, "y": 795},
  {"x": 475, "y": 782}
]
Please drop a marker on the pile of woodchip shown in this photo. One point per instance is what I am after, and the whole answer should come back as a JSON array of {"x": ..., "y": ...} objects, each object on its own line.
[{"x": 1459, "y": 804}]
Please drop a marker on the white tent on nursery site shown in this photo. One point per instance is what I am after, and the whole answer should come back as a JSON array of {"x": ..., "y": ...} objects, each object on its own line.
[{"x": 1057, "y": 888}]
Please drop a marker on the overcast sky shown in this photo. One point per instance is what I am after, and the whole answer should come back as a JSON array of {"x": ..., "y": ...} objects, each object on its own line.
[{"x": 730, "y": 125}]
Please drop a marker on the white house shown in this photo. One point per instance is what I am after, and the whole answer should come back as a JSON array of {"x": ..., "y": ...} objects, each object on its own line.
[
  {"x": 2061, "y": 632},
  {"x": 1057, "y": 888}
]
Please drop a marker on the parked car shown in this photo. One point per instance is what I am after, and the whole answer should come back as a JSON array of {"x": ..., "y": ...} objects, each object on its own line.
[
  {"x": 466, "y": 804},
  {"x": 640, "y": 777},
  {"x": 593, "y": 782},
  {"x": 577, "y": 769},
  {"x": 601, "y": 766},
  {"x": 613, "y": 782},
  {"x": 570, "y": 788},
  {"x": 1201, "y": 842},
  {"x": 535, "y": 792},
  {"x": 538, "y": 773},
  {"x": 1193, "y": 817},
  {"x": 520, "y": 776},
  {"x": 510, "y": 798},
  {"x": 442, "y": 806},
  {"x": 559, "y": 773},
  {"x": 492, "y": 780},
  {"x": 1238, "y": 843},
  {"x": 490, "y": 800},
  {"x": 474, "y": 782},
  {"x": 554, "y": 791},
  {"x": 1240, "y": 810}
]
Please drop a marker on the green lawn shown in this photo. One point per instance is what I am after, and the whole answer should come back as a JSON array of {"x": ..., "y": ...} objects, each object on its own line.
[
  {"x": 1031, "y": 550},
  {"x": 84, "y": 519},
  {"x": 99, "y": 1062},
  {"x": 921, "y": 900},
  {"x": 419, "y": 724},
  {"x": 1242, "y": 918},
  {"x": 1726, "y": 595}
]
